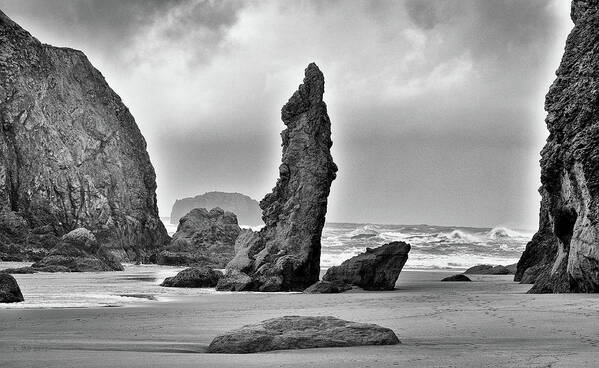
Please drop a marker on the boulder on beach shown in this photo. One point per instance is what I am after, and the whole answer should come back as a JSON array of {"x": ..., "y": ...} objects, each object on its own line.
[
  {"x": 328, "y": 287},
  {"x": 203, "y": 238},
  {"x": 460, "y": 277},
  {"x": 9, "y": 289},
  {"x": 194, "y": 277},
  {"x": 299, "y": 332},
  {"x": 71, "y": 155},
  {"x": 563, "y": 256},
  {"x": 285, "y": 254},
  {"x": 376, "y": 269},
  {"x": 487, "y": 270},
  {"x": 78, "y": 251}
]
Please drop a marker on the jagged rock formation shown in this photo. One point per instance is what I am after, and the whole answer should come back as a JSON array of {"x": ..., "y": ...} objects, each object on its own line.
[
  {"x": 194, "y": 277},
  {"x": 376, "y": 269},
  {"x": 564, "y": 254},
  {"x": 299, "y": 332},
  {"x": 247, "y": 209},
  {"x": 78, "y": 251},
  {"x": 9, "y": 289},
  {"x": 203, "y": 237},
  {"x": 285, "y": 254},
  {"x": 71, "y": 155}
]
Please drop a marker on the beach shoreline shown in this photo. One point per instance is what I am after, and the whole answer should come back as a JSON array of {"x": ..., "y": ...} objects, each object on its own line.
[{"x": 488, "y": 322}]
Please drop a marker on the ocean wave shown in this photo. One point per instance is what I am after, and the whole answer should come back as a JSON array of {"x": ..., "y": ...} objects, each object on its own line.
[
  {"x": 459, "y": 235},
  {"x": 501, "y": 232},
  {"x": 366, "y": 231}
]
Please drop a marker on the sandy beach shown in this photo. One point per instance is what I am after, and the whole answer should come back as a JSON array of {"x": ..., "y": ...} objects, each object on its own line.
[{"x": 490, "y": 322}]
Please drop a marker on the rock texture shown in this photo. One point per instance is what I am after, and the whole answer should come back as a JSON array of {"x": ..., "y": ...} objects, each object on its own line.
[
  {"x": 298, "y": 332},
  {"x": 71, "y": 155},
  {"x": 328, "y": 287},
  {"x": 564, "y": 254},
  {"x": 285, "y": 254},
  {"x": 194, "y": 277},
  {"x": 376, "y": 269},
  {"x": 78, "y": 251},
  {"x": 9, "y": 289},
  {"x": 247, "y": 209},
  {"x": 204, "y": 238},
  {"x": 487, "y": 270},
  {"x": 459, "y": 277}
]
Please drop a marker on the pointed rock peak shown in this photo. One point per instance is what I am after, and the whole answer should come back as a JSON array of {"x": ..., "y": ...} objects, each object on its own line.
[{"x": 308, "y": 94}]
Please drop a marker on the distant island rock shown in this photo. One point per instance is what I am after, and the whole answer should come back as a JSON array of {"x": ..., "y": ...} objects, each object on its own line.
[
  {"x": 285, "y": 254},
  {"x": 300, "y": 332},
  {"x": 71, "y": 155},
  {"x": 203, "y": 238},
  {"x": 247, "y": 209},
  {"x": 78, "y": 251},
  {"x": 487, "y": 270},
  {"x": 563, "y": 255},
  {"x": 375, "y": 269},
  {"x": 457, "y": 278}
]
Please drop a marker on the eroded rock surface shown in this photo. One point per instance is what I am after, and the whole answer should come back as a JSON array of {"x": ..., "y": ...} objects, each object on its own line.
[
  {"x": 194, "y": 277},
  {"x": 328, "y": 287},
  {"x": 78, "y": 251},
  {"x": 71, "y": 155},
  {"x": 285, "y": 254},
  {"x": 376, "y": 269},
  {"x": 564, "y": 254},
  {"x": 204, "y": 238},
  {"x": 9, "y": 289},
  {"x": 298, "y": 332}
]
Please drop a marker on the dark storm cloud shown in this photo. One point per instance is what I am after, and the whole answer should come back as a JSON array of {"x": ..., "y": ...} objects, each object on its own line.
[{"x": 436, "y": 105}]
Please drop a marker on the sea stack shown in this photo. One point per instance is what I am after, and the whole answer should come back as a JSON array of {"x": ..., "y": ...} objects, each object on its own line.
[
  {"x": 564, "y": 254},
  {"x": 285, "y": 254},
  {"x": 71, "y": 155}
]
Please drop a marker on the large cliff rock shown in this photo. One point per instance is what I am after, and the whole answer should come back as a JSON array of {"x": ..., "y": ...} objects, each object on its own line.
[
  {"x": 285, "y": 254},
  {"x": 564, "y": 254},
  {"x": 375, "y": 269},
  {"x": 71, "y": 155},
  {"x": 204, "y": 238},
  {"x": 247, "y": 209}
]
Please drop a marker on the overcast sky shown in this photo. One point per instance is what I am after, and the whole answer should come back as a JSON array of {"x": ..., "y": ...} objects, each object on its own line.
[{"x": 436, "y": 107}]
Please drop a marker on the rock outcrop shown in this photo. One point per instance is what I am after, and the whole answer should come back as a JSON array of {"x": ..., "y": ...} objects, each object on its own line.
[
  {"x": 204, "y": 238},
  {"x": 487, "y": 270},
  {"x": 78, "y": 251},
  {"x": 564, "y": 254},
  {"x": 247, "y": 209},
  {"x": 376, "y": 269},
  {"x": 285, "y": 254},
  {"x": 298, "y": 332},
  {"x": 71, "y": 155},
  {"x": 194, "y": 277},
  {"x": 458, "y": 278},
  {"x": 9, "y": 289}
]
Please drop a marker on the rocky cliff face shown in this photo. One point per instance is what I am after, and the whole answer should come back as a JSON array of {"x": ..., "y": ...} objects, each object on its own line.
[
  {"x": 71, "y": 155},
  {"x": 247, "y": 209},
  {"x": 564, "y": 255},
  {"x": 285, "y": 254},
  {"x": 205, "y": 238}
]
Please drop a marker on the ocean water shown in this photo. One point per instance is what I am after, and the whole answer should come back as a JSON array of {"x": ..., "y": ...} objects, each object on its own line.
[{"x": 433, "y": 248}]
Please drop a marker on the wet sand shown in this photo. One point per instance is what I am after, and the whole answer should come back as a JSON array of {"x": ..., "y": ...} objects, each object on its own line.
[{"x": 490, "y": 322}]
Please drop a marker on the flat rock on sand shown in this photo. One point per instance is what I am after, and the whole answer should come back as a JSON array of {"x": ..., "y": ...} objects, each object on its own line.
[
  {"x": 300, "y": 332},
  {"x": 194, "y": 277},
  {"x": 9, "y": 289},
  {"x": 459, "y": 277}
]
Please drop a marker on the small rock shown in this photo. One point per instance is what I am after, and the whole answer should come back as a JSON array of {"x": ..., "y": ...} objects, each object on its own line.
[
  {"x": 298, "y": 332},
  {"x": 328, "y": 287},
  {"x": 194, "y": 277},
  {"x": 9, "y": 289},
  {"x": 234, "y": 281},
  {"x": 376, "y": 269},
  {"x": 460, "y": 277}
]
